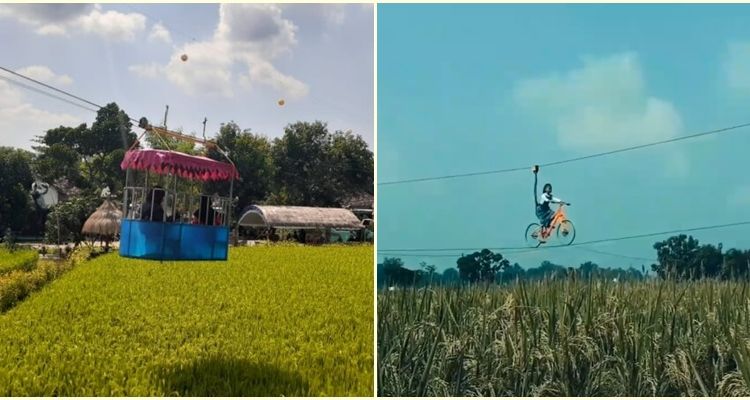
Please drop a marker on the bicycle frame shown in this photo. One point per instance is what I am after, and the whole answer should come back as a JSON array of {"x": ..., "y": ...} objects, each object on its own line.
[{"x": 558, "y": 217}]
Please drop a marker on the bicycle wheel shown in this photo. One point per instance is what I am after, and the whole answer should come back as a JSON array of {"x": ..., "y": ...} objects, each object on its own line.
[
  {"x": 532, "y": 235},
  {"x": 566, "y": 232}
]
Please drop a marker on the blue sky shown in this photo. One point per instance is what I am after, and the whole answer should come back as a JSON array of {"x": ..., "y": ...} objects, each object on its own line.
[
  {"x": 242, "y": 58},
  {"x": 465, "y": 88}
]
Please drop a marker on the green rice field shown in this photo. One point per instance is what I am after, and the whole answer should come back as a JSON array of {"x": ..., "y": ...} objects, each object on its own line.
[{"x": 279, "y": 320}]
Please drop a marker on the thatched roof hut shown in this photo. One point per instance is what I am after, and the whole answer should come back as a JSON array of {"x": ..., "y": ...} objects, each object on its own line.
[
  {"x": 291, "y": 217},
  {"x": 105, "y": 221}
]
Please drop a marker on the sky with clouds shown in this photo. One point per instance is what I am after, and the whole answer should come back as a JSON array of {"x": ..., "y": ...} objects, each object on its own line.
[
  {"x": 241, "y": 60},
  {"x": 465, "y": 88}
]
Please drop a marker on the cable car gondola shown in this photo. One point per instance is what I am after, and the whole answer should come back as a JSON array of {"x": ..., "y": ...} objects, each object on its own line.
[{"x": 161, "y": 223}]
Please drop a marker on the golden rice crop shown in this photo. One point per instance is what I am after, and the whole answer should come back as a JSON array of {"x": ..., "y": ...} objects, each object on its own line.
[
  {"x": 566, "y": 338},
  {"x": 270, "y": 321}
]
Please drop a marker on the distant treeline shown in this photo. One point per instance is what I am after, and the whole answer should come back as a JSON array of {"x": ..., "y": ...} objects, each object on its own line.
[
  {"x": 680, "y": 257},
  {"x": 307, "y": 165}
]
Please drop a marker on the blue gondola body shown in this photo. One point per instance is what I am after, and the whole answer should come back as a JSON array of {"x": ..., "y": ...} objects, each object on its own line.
[{"x": 173, "y": 241}]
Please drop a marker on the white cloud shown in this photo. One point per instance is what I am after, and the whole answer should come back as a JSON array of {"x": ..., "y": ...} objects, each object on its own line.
[
  {"x": 601, "y": 105},
  {"x": 318, "y": 14},
  {"x": 51, "y": 30},
  {"x": 147, "y": 71},
  {"x": 159, "y": 32},
  {"x": 262, "y": 71},
  {"x": 20, "y": 121},
  {"x": 44, "y": 74},
  {"x": 43, "y": 14},
  {"x": 66, "y": 19},
  {"x": 737, "y": 66},
  {"x": 249, "y": 35},
  {"x": 112, "y": 24},
  {"x": 257, "y": 29},
  {"x": 207, "y": 70}
]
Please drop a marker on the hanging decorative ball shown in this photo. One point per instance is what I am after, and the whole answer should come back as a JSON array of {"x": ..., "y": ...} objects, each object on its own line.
[
  {"x": 281, "y": 102},
  {"x": 184, "y": 57}
]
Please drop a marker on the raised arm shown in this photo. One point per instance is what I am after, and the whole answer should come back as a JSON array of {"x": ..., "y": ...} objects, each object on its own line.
[{"x": 536, "y": 198}]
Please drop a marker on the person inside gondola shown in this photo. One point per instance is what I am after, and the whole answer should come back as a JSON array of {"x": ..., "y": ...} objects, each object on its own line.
[
  {"x": 205, "y": 215},
  {"x": 152, "y": 209}
]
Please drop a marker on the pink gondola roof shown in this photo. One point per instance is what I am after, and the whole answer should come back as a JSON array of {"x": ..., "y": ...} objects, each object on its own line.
[{"x": 180, "y": 164}]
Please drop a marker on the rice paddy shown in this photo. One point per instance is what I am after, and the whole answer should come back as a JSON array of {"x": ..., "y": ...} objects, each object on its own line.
[
  {"x": 566, "y": 338},
  {"x": 271, "y": 321}
]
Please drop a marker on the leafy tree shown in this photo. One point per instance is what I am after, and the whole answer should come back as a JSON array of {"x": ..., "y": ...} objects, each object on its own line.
[
  {"x": 396, "y": 274},
  {"x": 709, "y": 261},
  {"x": 588, "y": 269},
  {"x": 354, "y": 163},
  {"x": 451, "y": 275},
  {"x": 481, "y": 266},
  {"x": 64, "y": 135},
  {"x": 87, "y": 157},
  {"x": 159, "y": 142},
  {"x": 545, "y": 270},
  {"x": 252, "y": 155},
  {"x": 428, "y": 269},
  {"x": 65, "y": 221},
  {"x": 57, "y": 161},
  {"x": 316, "y": 168},
  {"x": 15, "y": 183},
  {"x": 511, "y": 273},
  {"x": 677, "y": 257},
  {"x": 304, "y": 169},
  {"x": 110, "y": 131},
  {"x": 736, "y": 264}
]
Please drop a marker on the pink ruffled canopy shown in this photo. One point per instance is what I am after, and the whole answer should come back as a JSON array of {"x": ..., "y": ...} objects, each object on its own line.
[{"x": 183, "y": 165}]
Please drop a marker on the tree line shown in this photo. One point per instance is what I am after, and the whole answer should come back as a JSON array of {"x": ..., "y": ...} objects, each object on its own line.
[
  {"x": 680, "y": 257},
  {"x": 309, "y": 165}
]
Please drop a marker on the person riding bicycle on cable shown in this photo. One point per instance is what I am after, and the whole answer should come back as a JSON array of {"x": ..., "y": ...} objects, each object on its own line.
[{"x": 543, "y": 211}]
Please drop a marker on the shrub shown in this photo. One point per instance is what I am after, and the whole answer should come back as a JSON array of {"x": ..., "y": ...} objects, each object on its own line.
[{"x": 18, "y": 260}]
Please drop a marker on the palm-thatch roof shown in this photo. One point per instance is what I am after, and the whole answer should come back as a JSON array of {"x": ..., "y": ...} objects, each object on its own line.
[
  {"x": 105, "y": 221},
  {"x": 292, "y": 217}
]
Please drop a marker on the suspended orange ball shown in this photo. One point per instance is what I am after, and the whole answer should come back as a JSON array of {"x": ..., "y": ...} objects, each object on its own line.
[
  {"x": 184, "y": 57},
  {"x": 281, "y": 102}
]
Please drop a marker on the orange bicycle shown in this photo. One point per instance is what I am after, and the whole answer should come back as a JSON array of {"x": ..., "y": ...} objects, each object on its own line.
[{"x": 566, "y": 232}]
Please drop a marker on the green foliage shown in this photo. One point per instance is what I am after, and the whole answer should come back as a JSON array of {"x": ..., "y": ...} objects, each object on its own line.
[
  {"x": 271, "y": 321},
  {"x": 395, "y": 274},
  {"x": 110, "y": 131},
  {"x": 89, "y": 158},
  {"x": 354, "y": 163},
  {"x": 19, "y": 284},
  {"x": 736, "y": 264},
  {"x": 252, "y": 156},
  {"x": 309, "y": 166},
  {"x": 682, "y": 257},
  {"x": 481, "y": 266},
  {"x": 17, "y": 260},
  {"x": 58, "y": 161},
  {"x": 65, "y": 221},
  {"x": 16, "y": 205},
  {"x": 169, "y": 143},
  {"x": 565, "y": 338},
  {"x": 317, "y": 168},
  {"x": 69, "y": 137}
]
